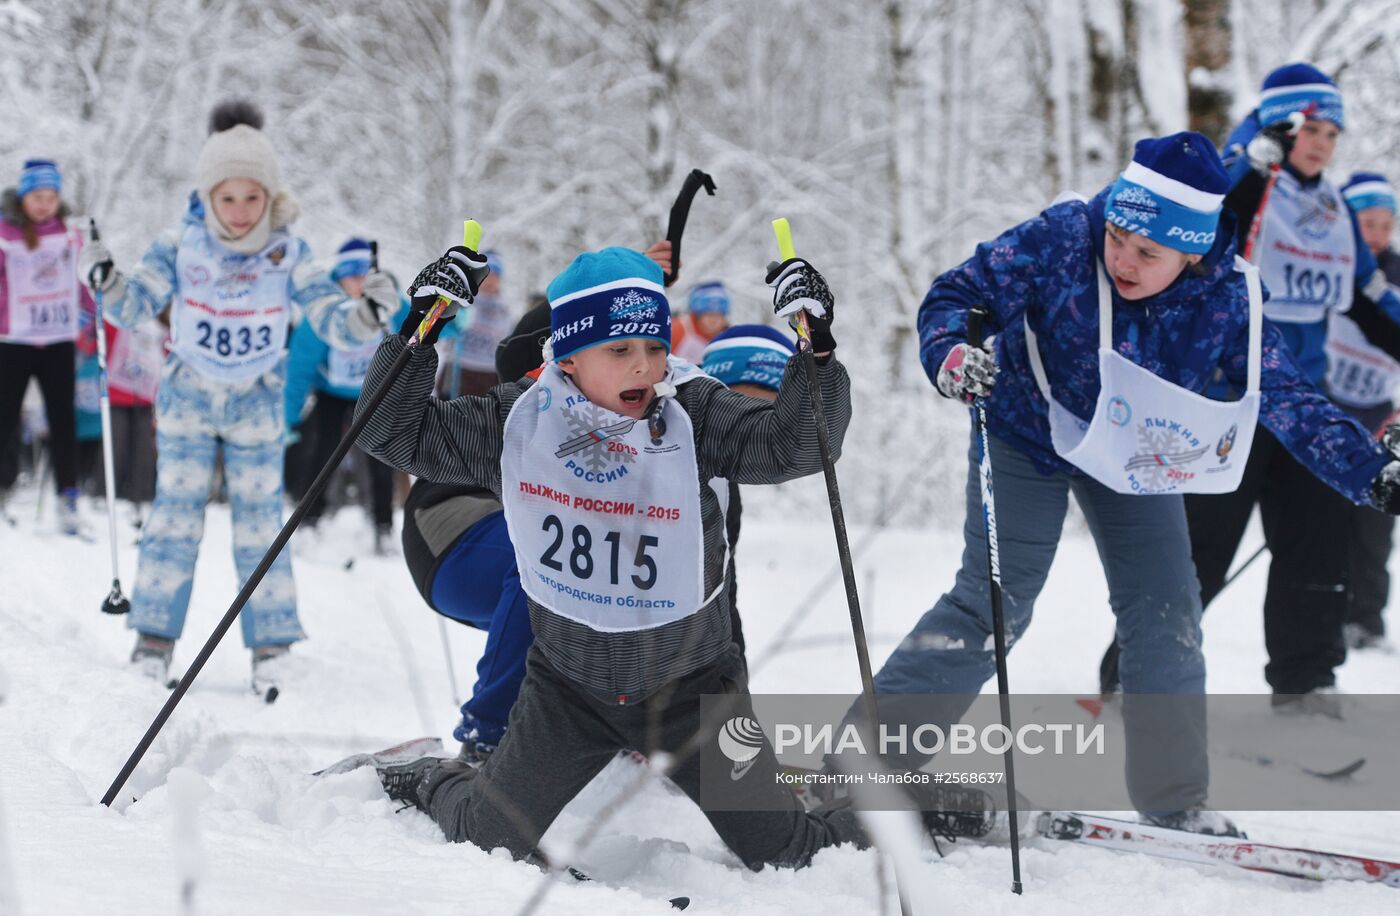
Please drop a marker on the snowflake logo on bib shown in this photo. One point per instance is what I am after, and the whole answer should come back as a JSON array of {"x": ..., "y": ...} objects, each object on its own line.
[
  {"x": 594, "y": 438},
  {"x": 1165, "y": 448}
]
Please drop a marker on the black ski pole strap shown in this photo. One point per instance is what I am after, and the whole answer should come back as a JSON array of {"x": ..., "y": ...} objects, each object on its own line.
[
  {"x": 975, "y": 317},
  {"x": 680, "y": 211}
]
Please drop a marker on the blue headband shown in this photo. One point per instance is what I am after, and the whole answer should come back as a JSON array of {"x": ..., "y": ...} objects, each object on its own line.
[
  {"x": 39, "y": 173},
  {"x": 1375, "y": 191},
  {"x": 1317, "y": 102},
  {"x": 1164, "y": 210},
  {"x": 709, "y": 298},
  {"x": 748, "y": 354}
]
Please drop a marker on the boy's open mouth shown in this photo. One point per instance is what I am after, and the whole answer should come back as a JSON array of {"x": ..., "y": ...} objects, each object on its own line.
[{"x": 633, "y": 397}]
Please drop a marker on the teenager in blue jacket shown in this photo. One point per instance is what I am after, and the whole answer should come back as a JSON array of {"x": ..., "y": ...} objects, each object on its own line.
[{"x": 1106, "y": 320}]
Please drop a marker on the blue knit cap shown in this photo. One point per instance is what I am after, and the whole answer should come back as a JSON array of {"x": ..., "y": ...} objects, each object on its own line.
[
  {"x": 611, "y": 294},
  {"x": 1171, "y": 192},
  {"x": 39, "y": 173},
  {"x": 1368, "y": 189},
  {"x": 1300, "y": 87},
  {"x": 748, "y": 354},
  {"x": 709, "y": 298},
  {"x": 493, "y": 261},
  {"x": 353, "y": 260}
]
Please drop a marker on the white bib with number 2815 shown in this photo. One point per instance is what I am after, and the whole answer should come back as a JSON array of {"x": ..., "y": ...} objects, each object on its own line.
[
  {"x": 230, "y": 311},
  {"x": 605, "y": 519}
]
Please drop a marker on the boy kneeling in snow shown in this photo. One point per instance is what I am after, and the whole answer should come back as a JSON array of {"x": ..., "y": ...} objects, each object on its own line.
[{"x": 602, "y": 466}]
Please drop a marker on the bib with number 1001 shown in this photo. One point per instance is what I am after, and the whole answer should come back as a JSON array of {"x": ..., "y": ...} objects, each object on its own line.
[
  {"x": 230, "y": 311},
  {"x": 604, "y": 519},
  {"x": 44, "y": 290}
]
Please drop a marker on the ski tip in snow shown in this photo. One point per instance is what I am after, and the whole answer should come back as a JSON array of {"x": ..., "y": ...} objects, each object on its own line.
[{"x": 270, "y": 695}]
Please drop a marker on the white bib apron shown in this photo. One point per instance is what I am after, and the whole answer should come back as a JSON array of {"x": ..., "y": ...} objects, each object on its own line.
[
  {"x": 44, "y": 290},
  {"x": 348, "y": 368},
  {"x": 230, "y": 312},
  {"x": 1147, "y": 436},
  {"x": 605, "y": 520},
  {"x": 138, "y": 355},
  {"x": 1306, "y": 252},
  {"x": 1358, "y": 374}
]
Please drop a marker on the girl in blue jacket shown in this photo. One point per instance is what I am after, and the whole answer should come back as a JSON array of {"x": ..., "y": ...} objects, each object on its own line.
[{"x": 1109, "y": 319}]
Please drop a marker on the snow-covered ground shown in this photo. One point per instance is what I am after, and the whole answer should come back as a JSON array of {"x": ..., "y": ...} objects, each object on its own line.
[{"x": 222, "y": 806}]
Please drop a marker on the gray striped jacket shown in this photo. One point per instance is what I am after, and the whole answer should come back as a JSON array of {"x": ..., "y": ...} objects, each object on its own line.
[{"x": 740, "y": 438}]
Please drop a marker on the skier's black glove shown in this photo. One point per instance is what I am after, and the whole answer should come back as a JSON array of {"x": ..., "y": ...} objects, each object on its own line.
[
  {"x": 1273, "y": 144},
  {"x": 457, "y": 275},
  {"x": 798, "y": 287},
  {"x": 1385, "y": 489}
]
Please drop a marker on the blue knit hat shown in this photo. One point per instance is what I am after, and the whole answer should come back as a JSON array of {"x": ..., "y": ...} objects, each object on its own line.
[
  {"x": 611, "y": 294},
  {"x": 748, "y": 354},
  {"x": 493, "y": 261},
  {"x": 39, "y": 173},
  {"x": 1171, "y": 192},
  {"x": 1365, "y": 190},
  {"x": 353, "y": 260},
  {"x": 709, "y": 298},
  {"x": 1300, "y": 87}
]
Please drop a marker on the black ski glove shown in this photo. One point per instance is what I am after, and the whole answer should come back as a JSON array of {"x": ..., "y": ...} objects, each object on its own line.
[
  {"x": 1385, "y": 489},
  {"x": 457, "y": 275},
  {"x": 1273, "y": 144},
  {"x": 798, "y": 287}
]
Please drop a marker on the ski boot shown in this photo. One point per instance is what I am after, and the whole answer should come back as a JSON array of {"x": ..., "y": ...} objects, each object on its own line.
[
  {"x": 266, "y": 668},
  {"x": 413, "y": 783},
  {"x": 1320, "y": 701},
  {"x": 954, "y": 812},
  {"x": 476, "y": 747},
  {"x": 383, "y": 540},
  {"x": 70, "y": 522},
  {"x": 1194, "y": 820},
  {"x": 151, "y": 657}
]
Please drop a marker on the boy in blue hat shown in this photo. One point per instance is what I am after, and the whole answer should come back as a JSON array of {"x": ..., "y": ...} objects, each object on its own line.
[
  {"x": 1362, "y": 378},
  {"x": 602, "y": 466},
  {"x": 707, "y": 314},
  {"x": 468, "y": 345},
  {"x": 749, "y": 359},
  {"x": 1314, "y": 264},
  {"x": 335, "y": 376}
]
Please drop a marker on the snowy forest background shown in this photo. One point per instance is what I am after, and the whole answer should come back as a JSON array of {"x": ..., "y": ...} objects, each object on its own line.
[{"x": 895, "y": 134}]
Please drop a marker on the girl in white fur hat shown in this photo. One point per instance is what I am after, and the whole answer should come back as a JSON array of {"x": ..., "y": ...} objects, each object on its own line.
[{"x": 234, "y": 278}]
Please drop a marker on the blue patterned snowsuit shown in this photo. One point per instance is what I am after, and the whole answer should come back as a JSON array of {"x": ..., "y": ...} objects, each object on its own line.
[{"x": 197, "y": 417}]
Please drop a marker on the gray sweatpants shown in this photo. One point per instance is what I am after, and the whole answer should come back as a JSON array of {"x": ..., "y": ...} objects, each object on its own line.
[{"x": 560, "y": 737}]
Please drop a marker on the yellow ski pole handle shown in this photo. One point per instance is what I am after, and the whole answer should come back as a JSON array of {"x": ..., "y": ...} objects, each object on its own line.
[
  {"x": 471, "y": 238},
  {"x": 783, "y": 232}
]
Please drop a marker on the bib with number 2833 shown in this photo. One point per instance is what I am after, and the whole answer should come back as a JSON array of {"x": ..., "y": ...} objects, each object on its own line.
[{"x": 230, "y": 312}]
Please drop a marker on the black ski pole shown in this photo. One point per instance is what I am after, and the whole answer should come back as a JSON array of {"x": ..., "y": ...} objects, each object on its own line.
[
  {"x": 783, "y": 231},
  {"x": 472, "y": 239},
  {"x": 115, "y": 602},
  {"x": 680, "y": 211},
  {"x": 989, "y": 519}
]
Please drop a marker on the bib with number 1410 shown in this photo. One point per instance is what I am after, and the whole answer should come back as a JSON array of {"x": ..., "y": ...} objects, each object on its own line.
[{"x": 605, "y": 519}]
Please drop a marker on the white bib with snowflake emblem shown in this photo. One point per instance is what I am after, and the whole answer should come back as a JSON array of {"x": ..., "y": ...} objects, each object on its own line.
[
  {"x": 1148, "y": 437},
  {"x": 605, "y": 519}
]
